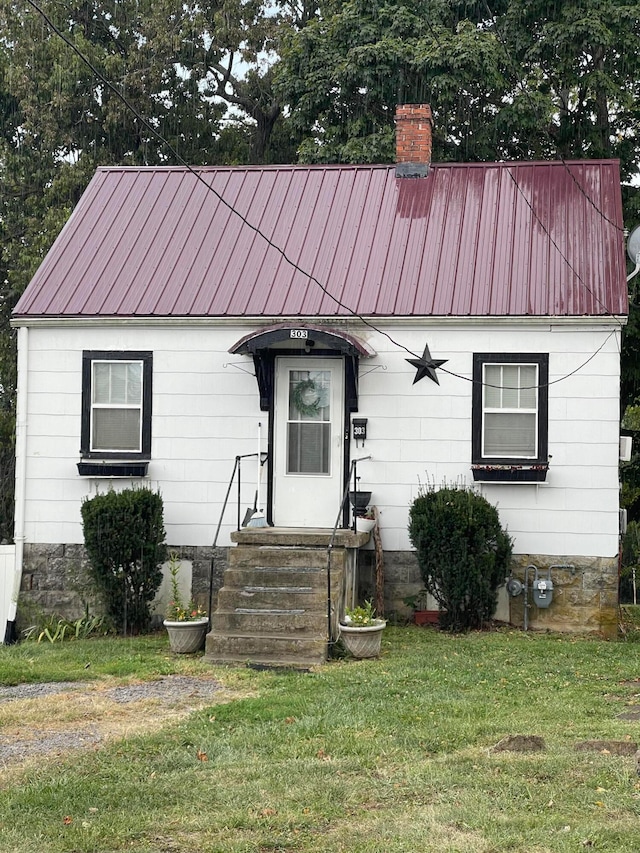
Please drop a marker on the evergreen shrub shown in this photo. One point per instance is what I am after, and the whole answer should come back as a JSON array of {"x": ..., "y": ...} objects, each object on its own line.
[
  {"x": 124, "y": 539},
  {"x": 462, "y": 551}
]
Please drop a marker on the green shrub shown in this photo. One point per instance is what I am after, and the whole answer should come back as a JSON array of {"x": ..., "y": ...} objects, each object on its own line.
[
  {"x": 463, "y": 554},
  {"x": 124, "y": 538},
  {"x": 630, "y": 570}
]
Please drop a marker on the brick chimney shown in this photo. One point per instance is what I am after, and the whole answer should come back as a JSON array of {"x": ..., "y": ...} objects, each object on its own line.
[{"x": 413, "y": 140}]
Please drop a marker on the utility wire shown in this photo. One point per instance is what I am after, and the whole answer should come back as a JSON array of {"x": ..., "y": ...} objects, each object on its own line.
[{"x": 156, "y": 133}]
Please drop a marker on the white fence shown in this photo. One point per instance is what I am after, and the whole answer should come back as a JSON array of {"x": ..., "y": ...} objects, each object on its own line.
[{"x": 7, "y": 557}]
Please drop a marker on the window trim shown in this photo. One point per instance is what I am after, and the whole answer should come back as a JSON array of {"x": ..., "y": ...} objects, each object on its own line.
[
  {"x": 88, "y": 357},
  {"x": 510, "y": 468}
]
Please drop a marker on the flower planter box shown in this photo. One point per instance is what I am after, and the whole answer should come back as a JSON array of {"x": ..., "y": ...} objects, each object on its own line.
[
  {"x": 187, "y": 637},
  {"x": 500, "y": 474},
  {"x": 363, "y": 641},
  {"x": 426, "y": 617}
]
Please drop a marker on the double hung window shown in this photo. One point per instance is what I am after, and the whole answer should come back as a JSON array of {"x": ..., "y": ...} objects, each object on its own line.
[
  {"x": 116, "y": 405},
  {"x": 510, "y": 409}
]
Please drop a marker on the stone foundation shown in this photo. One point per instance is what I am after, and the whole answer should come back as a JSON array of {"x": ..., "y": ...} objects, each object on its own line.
[
  {"x": 55, "y": 579},
  {"x": 585, "y": 596}
]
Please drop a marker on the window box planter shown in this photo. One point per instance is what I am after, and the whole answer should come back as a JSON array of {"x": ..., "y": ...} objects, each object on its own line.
[
  {"x": 510, "y": 473},
  {"x": 113, "y": 469}
]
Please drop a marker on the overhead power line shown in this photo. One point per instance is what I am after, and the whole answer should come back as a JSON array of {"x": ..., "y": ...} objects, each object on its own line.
[{"x": 158, "y": 135}]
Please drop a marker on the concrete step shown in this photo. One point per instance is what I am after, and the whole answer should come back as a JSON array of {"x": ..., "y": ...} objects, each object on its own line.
[
  {"x": 272, "y": 608},
  {"x": 269, "y": 621},
  {"x": 292, "y": 558},
  {"x": 282, "y": 576},
  {"x": 307, "y": 538},
  {"x": 267, "y": 649},
  {"x": 269, "y": 597}
]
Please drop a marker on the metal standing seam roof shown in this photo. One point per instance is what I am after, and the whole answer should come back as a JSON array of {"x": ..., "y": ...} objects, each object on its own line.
[{"x": 483, "y": 239}]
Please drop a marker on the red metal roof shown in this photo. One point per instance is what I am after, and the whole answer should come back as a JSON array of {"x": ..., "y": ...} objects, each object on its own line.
[{"x": 483, "y": 239}]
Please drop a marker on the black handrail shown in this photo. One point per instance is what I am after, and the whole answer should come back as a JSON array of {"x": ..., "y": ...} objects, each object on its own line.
[
  {"x": 345, "y": 496},
  {"x": 236, "y": 467}
]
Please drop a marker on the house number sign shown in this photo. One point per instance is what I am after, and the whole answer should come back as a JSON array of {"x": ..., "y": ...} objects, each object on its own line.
[{"x": 298, "y": 333}]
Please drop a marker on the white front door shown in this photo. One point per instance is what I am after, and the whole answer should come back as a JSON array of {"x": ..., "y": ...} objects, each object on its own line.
[{"x": 308, "y": 441}]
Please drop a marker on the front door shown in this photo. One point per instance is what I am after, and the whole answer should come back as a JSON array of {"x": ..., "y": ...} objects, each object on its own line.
[{"x": 308, "y": 441}]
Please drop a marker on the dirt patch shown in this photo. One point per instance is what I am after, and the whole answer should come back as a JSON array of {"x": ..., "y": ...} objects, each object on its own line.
[
  {"x": 608, "y": 747},
  {"x": 520, "y": 743},
  {"x": 44, "y": 720}
]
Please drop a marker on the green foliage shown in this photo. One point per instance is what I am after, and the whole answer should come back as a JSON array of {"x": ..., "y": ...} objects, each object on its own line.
[
  {"x": 462, "y": 551},
  {"x": 124, "y": 538},
  {"x": 362, "y": 616},
  {"x": 630, "y": 622},
  {"x": 526, "y": 80},
  {"x": 178, "y": 611},
  {"x": 56, "y": 630},
  {"x": 630, "y": 569}
]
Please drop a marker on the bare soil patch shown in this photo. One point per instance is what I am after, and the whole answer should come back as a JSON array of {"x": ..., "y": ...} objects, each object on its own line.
[{"x": 39, "y": 721}]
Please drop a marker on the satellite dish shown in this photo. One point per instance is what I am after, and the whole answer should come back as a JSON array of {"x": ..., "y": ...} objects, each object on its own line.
[{"x": 633, "y": 244}]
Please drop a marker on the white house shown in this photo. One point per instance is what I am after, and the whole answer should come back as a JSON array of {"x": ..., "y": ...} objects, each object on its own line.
[{"x": 180, "y": 308}]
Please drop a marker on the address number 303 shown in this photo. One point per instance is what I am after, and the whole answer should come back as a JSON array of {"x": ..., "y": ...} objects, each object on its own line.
[{"x": 298, "y": 333}]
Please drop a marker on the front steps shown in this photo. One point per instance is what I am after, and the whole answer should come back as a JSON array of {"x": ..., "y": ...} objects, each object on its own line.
[{"x": 272, "y": 608}]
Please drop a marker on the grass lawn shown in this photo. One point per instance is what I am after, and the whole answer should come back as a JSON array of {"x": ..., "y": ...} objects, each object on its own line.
[{"x": 387, "y": 756}]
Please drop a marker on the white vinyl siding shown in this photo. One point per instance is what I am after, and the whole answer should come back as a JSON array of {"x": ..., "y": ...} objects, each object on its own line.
[{"x": 206, "y": 410}]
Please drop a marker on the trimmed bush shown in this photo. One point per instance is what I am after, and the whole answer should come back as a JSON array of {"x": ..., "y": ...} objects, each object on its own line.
[
  {"x": 124, "y": 538},
  {"x": 463, "y": 554}
]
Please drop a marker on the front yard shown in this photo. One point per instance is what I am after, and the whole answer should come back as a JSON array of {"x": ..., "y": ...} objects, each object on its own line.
[{"x": 389, "y": 756}]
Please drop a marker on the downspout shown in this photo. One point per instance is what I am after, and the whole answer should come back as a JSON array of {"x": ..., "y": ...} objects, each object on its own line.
[{"x": 21, "y": 476}]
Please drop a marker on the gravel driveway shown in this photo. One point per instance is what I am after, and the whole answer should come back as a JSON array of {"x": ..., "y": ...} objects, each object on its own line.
[{"x": 102, "y": 713}]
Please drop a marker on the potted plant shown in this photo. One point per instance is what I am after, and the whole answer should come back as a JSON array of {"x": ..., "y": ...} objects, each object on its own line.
[
  {"x": 366, "y": 522},
  {"x": 419, "y": 603},
  {"x": 186, "y": 624},
  {"x": 361, "y": 631}
]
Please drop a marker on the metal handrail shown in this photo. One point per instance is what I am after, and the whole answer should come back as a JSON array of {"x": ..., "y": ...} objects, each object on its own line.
[
  {"x": 236, "y": 468},
  {"x": 345, "y": 495}
]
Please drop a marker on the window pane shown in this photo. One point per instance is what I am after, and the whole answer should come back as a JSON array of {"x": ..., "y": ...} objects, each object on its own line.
[
  {"x": 308, "y": 448},
  {"x": 116, "y": 429},
  {"x": 309, "y": 395},
  {"x": 118, "y": 382},
  {"x": 528, "y": 383},
  {"x": 509, "y": 435},
  {"x": 101, "y": 374},
  {"x": 510, "y": 386},
  {"x": 492, "y": 383}
]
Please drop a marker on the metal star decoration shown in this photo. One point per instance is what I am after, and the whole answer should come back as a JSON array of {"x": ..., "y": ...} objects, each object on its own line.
[{"x": 426, "y": 366}]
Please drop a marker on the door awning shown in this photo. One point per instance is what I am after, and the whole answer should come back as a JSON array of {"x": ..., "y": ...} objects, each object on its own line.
[{"x": 305, "y": 334}]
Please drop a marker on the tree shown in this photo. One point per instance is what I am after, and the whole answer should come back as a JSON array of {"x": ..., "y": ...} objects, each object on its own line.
[
  {"x": 520, "y": 80},
  {"x": 176, "y": 65}
]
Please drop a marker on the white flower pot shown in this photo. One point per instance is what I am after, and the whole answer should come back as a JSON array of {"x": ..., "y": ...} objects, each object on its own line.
[
  {"x": 364, "y": 641},
  {"x": 365, "y": 525},
  {"x": 186, "y": 637}
]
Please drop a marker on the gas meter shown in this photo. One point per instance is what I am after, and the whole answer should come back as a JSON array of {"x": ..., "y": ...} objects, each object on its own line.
[{"x": 542, "y": 591}]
